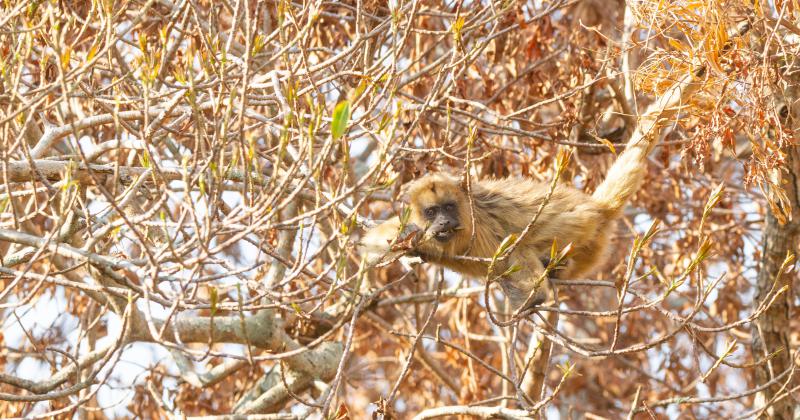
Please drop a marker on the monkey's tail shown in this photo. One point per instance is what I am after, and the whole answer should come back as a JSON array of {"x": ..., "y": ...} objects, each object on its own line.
[{"x": 626, "y": 174}]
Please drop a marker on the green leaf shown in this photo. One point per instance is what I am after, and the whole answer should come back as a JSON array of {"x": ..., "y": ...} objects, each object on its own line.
[
  {"x": 348, "y": 225},
  {"x": 341, "y": 115},
  {"x": 787, "y": 262},
  {"x": 674, "y": 285},
  {"x": 142, "y": 41},
  {"x": 405, "y": 215},
  {"x": 65, "y": 57},
  {"x": 362, "y": 86},
  {"x": 702, "y": 253},
  {"x": 511, "y": 270},
  {"x": 214, "y": 300},
  {"x": 563, "y": 156},
  {"x": 458, "y": 25},
  {"x": 144, "y": 159},
  {"x": 385, "y": 119},
  {"x": 92, "y": 53},
  {"x": 564, "y": 252},
  {"x": 607, "y": 144},
  {"x": 567, "y": 369},
  {"x": 651, "y": 231},
  {"x": 713, "y": 200},
  {"x": 507, "y": 242}
]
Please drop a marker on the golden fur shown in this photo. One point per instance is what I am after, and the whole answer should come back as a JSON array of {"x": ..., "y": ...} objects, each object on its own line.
[{"x": 503, "y": 207}]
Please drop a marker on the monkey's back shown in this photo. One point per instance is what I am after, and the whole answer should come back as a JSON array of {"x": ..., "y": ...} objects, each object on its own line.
[{"x": 570, "y": 216}]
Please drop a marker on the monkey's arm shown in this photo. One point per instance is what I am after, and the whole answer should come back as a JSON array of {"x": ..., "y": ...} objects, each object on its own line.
[{"x": 386, "y": 241}]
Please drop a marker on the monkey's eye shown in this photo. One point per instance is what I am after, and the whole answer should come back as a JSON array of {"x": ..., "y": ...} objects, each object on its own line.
[
  {"x": 449, "y": 207},
  {"x": 430, "y": 212}
]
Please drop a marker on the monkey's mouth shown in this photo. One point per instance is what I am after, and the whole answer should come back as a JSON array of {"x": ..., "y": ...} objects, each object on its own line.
[{"x": 444, "y": 235}]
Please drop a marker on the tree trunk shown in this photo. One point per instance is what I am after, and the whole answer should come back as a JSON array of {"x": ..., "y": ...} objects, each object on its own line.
[{"x": 771, "y": 330}]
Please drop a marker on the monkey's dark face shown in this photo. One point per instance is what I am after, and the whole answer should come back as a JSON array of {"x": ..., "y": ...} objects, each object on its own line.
[
  {"x": 442, "y": 220},
  {"x": 439, "y": 203}
]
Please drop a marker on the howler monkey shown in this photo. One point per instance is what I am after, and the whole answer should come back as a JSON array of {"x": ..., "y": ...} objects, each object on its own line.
[{"x": 441, "y": 212}]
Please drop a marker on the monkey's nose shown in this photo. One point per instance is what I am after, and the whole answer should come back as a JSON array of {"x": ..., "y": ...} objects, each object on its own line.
[{"x": 448, "y": 224}]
